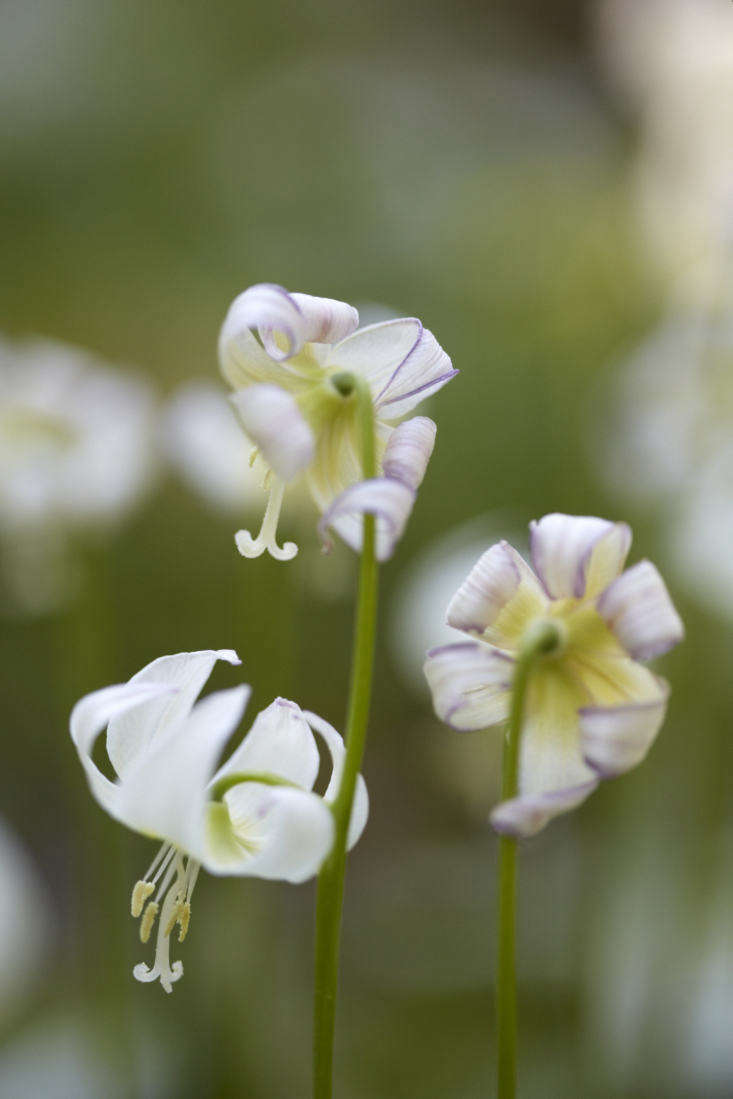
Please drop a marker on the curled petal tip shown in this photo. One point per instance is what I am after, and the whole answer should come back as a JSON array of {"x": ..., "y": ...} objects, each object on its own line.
[
  {"x": 390, "y": 502},
  {"x": 639, "y": 610},
  {"x": 408, "y": 451}
]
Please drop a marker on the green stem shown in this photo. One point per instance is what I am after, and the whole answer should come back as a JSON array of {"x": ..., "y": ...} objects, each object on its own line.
[
  {"x": 545, "y": 638},
  {"x": 331, "y": 878}
]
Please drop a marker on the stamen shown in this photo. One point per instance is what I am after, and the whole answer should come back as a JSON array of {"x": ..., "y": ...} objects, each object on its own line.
[
  {"x": 140, "y": 894},
  {"x": 253, "y": 456},
  {"x": 184, "y": 916},
  {"x": 266, "y": 540},
  {"x": 164, "y": 847},
  {"x": 177, "y": 885},
  {"x": 164, "y": 863},
  {"x": 146, "y": 924}
]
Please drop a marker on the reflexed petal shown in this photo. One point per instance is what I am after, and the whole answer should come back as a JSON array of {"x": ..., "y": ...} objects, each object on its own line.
[
  {"x": 553, "y": 777},
  {"x": 616, "y": 738},
  {"x": 470, "y": 684},
  {"x": 377, "y": 351},
  {"x": 402, "y": 361},
  {"x": 606, "y": 559},
  {"x": 528, "y": 814},
  {"x": 95, "y": 711},
  {"x": 279, "y": 743},
  {"x": 388, "y": 500},
  {"x": 408, "y": 451},
  {"x": 568, "y": 551},
  {"x": 498, "y": 598},
  {"x": 325, "y": 320},
  {"x": 269, "y": 832},
  {"x": 335, "y": 745},
  {"x": 638, "y": 608},
  {"x": 242, "y": 358},
  {"x": 284, "y": 322},
  {"x": 271, "y": 417},
  {"x": 131, "y": 735},
  {"x": 165, "y": 794}
]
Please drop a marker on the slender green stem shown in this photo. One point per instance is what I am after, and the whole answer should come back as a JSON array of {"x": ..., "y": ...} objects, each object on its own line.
[
  {"x": 544, "y": 639},
  {"x": 331, "y": 879}
]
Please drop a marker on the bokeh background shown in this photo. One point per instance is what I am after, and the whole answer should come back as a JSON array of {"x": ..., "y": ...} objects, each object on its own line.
[{"x": 548, "y": 186}]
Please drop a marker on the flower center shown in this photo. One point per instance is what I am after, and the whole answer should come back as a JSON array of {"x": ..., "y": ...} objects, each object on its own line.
[{"x": 177, "y": 874}]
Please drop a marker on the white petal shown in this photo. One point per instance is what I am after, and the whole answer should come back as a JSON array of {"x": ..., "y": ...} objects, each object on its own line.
[
  {"x": 567, "y": 550},
  {"x": 470, "y": 684},
  {"x": 242, "y": 359},
  {"x": 408, "y": 451},
  {"x": 402, "y": 361},
  {"x": 528, "y": 814},
  {"x": 165, "y": 795},
  {"x": 335, "y": 745},
  {"x": 279, "y": 743},
  {"x": 616, "y": 738},
  {"x": 638, "y": 608},
  {"x": 285, "y": 833},
  {"x": 272, "y": 419},
  {"x": 499, "y": 581},
  {"x": 325, "y": 320},
  {"x": 92, "y": 714},
  {"x": 553, "y": 777},
  {"x": 388, "y": 500},
  {"x": 284, "y": 321},
  {"x": 131, "y": 735}
]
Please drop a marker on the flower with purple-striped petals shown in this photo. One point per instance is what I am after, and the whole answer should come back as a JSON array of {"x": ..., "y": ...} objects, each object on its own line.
[
  {"x": 286, "y": 356},
  {"x": 593, "y": 710},
  {"x": 256, "y": 816}
]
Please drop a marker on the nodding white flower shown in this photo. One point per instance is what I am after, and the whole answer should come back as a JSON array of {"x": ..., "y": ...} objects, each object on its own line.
[
  {"x": 254, "y": 816},
  {"x": 592, "y": 710},
  {"x": 291, "y": 360}
]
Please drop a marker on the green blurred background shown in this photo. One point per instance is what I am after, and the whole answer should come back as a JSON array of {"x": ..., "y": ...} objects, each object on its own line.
[{"x": 462, "y": 162}]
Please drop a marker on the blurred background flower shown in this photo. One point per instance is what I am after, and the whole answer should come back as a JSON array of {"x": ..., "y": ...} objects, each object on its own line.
[
  {"x": 76, "y": 454},
  {"x": 479, "y": 167}
]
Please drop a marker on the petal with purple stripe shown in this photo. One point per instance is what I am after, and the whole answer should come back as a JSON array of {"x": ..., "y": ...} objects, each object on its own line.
[
  {"x": 390, "y": 501},
  {"x": 553, "y": 777},
  {"x": 402, "y": 361},
  {"x": 408, "y": 451},
  {"x": 470, "y": 684},
  {"x": 528, "y": 814},
  {"x": 569, "y": 551},
  {"x": 498, "y": 598},
  {"x": 639, "y": 610},
  {"x": 284, "y": 323},
  {"x": 616, "y": 738}
]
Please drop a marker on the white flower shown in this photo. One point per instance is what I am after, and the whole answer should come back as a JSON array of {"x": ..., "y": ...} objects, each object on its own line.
[
  {"x": 592, "y": 709},
  {"x": 290, "y": 358},
  {"x": 76, "y": 452},
  {"x": 76, "y": 437},
  {"x": 256, "y": 816}
]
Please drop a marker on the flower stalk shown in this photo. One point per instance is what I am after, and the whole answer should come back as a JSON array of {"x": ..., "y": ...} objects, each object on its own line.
[
  {"x": 542, "y": 639},
  {"x": 331, "y": 879}
]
